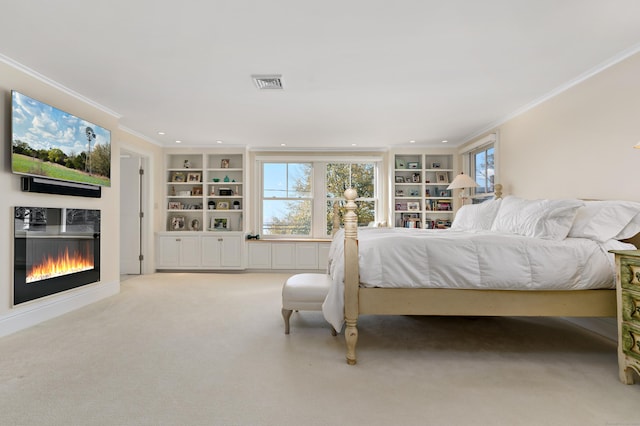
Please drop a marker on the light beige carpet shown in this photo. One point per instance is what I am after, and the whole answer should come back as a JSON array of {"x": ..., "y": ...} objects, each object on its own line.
[{"x": 209, "y": 349}]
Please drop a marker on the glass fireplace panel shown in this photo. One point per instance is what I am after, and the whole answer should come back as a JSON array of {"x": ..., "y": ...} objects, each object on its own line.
[{"x": 55, "y": 249}]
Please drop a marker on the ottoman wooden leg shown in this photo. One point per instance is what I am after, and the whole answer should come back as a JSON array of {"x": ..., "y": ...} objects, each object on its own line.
[{"x": 286, "y": 314}]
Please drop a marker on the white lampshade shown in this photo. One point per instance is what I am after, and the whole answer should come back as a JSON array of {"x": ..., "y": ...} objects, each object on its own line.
[{"x": 462, "y": 181}]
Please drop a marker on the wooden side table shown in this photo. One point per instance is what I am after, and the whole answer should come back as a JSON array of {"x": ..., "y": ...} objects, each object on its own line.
[{"x": 628, "y": 295}]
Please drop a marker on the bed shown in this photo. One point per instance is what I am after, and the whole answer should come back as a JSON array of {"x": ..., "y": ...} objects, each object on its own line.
[{"x": 573, "y": 278}]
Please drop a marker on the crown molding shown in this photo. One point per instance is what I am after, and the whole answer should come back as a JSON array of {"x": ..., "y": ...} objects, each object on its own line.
[
  {"x": 140, "y": 135},
  {"x": 56, "y": 85},
  {"x": 619, "y": 57}
]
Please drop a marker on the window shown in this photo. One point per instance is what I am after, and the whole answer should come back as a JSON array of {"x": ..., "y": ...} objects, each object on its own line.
[
  {"x": 298, "y": 197},
  {"x": 480, "y": 160},
  {"x": 287, "y": 198},
  {"x": 361, "y": 177},
  {"x": 483, "y": 169}
]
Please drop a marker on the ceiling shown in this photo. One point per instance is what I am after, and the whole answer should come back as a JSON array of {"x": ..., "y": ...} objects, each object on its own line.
[{"x": 357, "y": 74}]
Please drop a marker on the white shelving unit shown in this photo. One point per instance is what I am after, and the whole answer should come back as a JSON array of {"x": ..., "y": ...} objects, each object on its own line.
[
  {"x": 420, "y": 195},
  {"x": 204, "y": 210}
]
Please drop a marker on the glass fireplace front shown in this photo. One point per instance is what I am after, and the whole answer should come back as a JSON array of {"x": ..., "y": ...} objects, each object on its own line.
[{"x": 55, "y": 249}]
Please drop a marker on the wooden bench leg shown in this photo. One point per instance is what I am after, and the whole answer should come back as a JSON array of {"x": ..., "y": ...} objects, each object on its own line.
[{"x": 286, "y": 314}]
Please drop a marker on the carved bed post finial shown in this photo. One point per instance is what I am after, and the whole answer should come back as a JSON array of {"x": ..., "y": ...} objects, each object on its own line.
[
  {"x": 497, "y": 190},
  {"x": 351, "y": 275}
]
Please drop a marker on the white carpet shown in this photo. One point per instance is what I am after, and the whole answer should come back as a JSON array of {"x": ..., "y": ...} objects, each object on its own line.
[{"x": 209, "y": 349}]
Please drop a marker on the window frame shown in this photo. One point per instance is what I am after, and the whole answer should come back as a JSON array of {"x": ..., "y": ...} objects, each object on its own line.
[
  {"x": 468, "y": 154},
  {"x": 319, "y": 197}
]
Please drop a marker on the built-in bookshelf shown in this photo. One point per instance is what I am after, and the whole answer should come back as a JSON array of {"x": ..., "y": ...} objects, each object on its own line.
[
  {"x": 205, "y": 192},
  {"x": 420, "y": 195}
]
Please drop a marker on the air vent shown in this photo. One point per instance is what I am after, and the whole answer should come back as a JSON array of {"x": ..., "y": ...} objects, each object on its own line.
[{"x": 268, "y": 82}]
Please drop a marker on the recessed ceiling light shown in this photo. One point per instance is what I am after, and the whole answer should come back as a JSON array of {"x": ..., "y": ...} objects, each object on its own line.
[
  {"x": 161, "y": 133},
  {"x": 354, "y": 144},
  {"x": 283, "y": 144},
  {"x": 178, "y": 141},
  {"x": 412, "y": 141},
  {"x": 445, "y": 141},
  {"x": 218, "y": 141}
]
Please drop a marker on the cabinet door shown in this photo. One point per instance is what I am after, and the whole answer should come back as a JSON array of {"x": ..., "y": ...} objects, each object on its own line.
[
  {"x": 231, "y": 252},
  {"x": 190, "y": 251},
  {"x": 169, "y": 251},
  {"x": 283, "y": 256},
  {"x": 259, "y": 255},
  {"x": 306, "y": 256},
  {"x": 211, "y": 247}
]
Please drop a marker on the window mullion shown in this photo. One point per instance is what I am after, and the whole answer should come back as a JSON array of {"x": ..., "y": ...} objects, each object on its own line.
[{"x": 319, "y": 188}]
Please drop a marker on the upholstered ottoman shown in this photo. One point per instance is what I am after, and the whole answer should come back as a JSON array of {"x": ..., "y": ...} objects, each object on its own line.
[{"x": 304, "y": 292}]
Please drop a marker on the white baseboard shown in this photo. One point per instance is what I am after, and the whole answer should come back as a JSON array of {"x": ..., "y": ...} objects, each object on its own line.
[{"x": 33, "y": 313}]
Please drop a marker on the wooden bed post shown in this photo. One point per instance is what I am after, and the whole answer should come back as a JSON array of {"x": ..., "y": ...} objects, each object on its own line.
[
  {"x": 351, "y": 275},
  {"x": 497, "y": 190}
]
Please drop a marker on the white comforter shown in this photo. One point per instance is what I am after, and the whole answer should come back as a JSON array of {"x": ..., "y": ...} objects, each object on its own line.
[{"x": 404, "y": 258}]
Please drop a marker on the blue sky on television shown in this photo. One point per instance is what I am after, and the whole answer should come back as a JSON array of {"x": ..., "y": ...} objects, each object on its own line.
[{"x": 43, "y": 126}]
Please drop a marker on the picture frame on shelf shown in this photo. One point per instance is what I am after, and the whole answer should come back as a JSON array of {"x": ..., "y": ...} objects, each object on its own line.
[
  {"x": 415, "y": 178},
  {"x": 177, "y": 223},
  {"x": 220, "y": 223},
  {"x": 178, "y": 177},
  {"x": 223, "y": 205},
  {"x": 435, "y": 165},
  {"x": 412, "y": 165},
  {"x": 442, "y": 177},
  {"x": 185, "y": 193},
  {"x": 399, "y": 193},
  {"x": 194, "y": 177},
  {"x": 399, "y": 179},
  {"x": 400, "y": 164},
  {"x": 194, "y": 225},
  {"x": 174, "y": 205},
  {"x": 224, "y": 163},
  {"x": 196, "y": 190},
  {"x": 413, "y": 206}
]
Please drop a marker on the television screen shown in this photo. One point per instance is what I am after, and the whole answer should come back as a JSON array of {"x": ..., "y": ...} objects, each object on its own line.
[{"x": 51, "y": 143}]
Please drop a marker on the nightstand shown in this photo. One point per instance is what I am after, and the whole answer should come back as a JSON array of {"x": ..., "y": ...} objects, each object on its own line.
[{"x": 628, "y": 295}]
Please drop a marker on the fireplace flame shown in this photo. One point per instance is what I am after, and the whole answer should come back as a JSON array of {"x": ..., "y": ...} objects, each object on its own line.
[{"x": 63, "y": 264}]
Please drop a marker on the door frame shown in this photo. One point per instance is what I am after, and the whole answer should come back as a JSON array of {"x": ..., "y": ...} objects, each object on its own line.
[{"x": 146, "y": 230}]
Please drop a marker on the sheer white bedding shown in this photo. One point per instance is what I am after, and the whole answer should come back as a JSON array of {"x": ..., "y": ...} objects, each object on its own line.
[{"x": 409, "y": 258}]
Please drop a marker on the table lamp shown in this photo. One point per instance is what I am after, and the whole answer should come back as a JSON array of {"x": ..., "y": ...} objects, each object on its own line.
[{"x": 463, "y": 182}]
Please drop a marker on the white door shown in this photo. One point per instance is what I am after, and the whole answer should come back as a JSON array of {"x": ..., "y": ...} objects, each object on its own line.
[{"x": 130, "y": 263}]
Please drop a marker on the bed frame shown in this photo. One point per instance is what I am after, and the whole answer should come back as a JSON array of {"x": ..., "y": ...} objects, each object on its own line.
[{"x": 453, "y": 302}]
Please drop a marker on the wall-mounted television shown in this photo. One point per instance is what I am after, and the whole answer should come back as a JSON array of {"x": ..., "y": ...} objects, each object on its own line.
[{"x": 50, "y": 143}]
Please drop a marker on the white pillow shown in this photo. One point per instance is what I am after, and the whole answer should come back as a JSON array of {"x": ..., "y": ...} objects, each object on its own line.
[
  {"x": 605, "y": 220},
  {"x": 476, "y": 217},
  {"x": 547, "y": 219}
]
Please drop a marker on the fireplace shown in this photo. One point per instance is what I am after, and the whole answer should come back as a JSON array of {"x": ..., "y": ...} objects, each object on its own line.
[{"x": 55, "y": 249}]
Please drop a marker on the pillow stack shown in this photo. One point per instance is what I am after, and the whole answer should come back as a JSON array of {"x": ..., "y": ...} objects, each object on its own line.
[
  {"x": 552, "y": 219},
  {"x": 546, "y": 219},
  {"x": 607, "y": 220}
]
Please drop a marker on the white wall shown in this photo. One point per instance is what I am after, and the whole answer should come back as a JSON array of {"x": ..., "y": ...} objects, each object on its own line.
[{"x": 579, "y": 143}]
